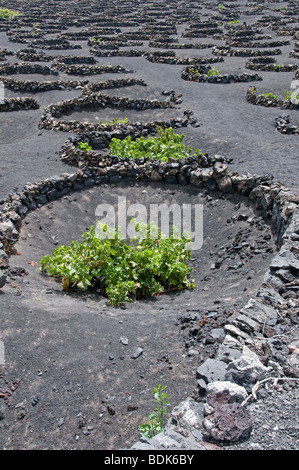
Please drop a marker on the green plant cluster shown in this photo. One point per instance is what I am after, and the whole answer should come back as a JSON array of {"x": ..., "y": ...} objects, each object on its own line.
[
  {"x": 84, "y": 146},
  {"x": 8, "y": 14},
  {"x": 157, "y": 417},
  {"x": 146, "y": 266},
  {"x": 115, "y": 121},
  {"x": 212, "y": 72},
  {"x": 167, "y": 144},
  {"x": 288, "y": 95},
  {"x": 270, "y": 96}
]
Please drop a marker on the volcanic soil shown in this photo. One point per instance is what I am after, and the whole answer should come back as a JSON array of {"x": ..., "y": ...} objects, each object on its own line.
[{"x": 70, "y": 381}]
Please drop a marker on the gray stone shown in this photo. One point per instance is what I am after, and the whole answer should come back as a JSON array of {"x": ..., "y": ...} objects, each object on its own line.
[
  {"x": 187, "y": 415},
  {"x": 211, "y": 370},
  {"x": 285, "y": 260},
  {"x": 230, "y": 349},
  {"x": 137, "y": 353},
  {"x": 162, "y": 441},
  {"x": 271, "y": 296},
  {"x": 236, "y": 333},
  {"x": 263, "y": 314},
  {"x": 247, "y": 369},
  {"x": 216, "y": 335},
  {"x": 244, "y": 323},
  {"x": 237, "y": 393},
  {"x": 6, "y": 227},
  {"x": 225, "y": 185},
  {"x": 142, "y": 446}
]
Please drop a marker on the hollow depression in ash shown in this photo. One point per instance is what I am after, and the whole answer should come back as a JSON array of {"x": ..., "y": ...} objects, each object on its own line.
[{"x": 233, "y": 245}]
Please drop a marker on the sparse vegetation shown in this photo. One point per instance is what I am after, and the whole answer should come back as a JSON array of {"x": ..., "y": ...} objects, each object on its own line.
[
  {"x": 157, "y": 417},
  {"x": 213, "y": 72},
  {"x": 149, "y": 265},
  {"x": 166, "y": 145},
  {"x": 8, "y": 14},
  {"x": 115, "y": 121},
  {"x": 84, "y": 146},
  {"x": 270, "y": 96}
]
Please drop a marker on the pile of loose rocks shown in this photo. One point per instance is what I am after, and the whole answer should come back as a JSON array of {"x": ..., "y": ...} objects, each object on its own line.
[
  {"x": 264, "y": 100},
  {"x": 18, "y": 104},
  {"x": 86, "y": 69},
  {"x": 119, "y": 83},
  {"x": 74, "y": 60},
  {"x": 294, "y": 54},
  {"x": 117, "y": 52},
  {"x": 202, "y": 30},
  {"x": 89, "y": 100},
  {"x": 100, "y": 43},
  {"x": 256, "y": 44},
  {"x": 4, "y": 53},
  {"x": 270, "y": 67},
  {"x": 282, "y": 124},
  {"x": 171, "y": 44},
  {"x": 170, "y": 59},
  {"x": 24, "y": 68},
  {"x": 30, "y": 55},
  {"x": 34, "y": 86},
  {"x": 53, "y": 44},
  {"x": 228, "y": 51}
]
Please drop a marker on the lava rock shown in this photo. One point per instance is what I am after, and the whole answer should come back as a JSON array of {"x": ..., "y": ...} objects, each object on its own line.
[{"x": 230, "y": 422}]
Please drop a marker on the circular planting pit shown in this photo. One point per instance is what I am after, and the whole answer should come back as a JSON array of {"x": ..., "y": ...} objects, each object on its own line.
[{"x": 111, "y": 392}]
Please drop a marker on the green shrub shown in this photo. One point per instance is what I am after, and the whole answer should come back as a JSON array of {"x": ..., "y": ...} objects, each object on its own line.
[
  {"x": 115, "y": 121},
  {"x": 213, "y": 72},
  {"x": 166, "y": 145},
  {"x": 270, "y": 96},
  {"x": 8, "y": 14},
  {"x": 84, "y": 146},
  {"x": 289, "y": 95},
  {"x": 156, "y": 418},
  {"x": 148, "y": 265}
]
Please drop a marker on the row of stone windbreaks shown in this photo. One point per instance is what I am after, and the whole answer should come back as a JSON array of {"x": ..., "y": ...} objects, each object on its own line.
[{"x": 91, "y": 98}]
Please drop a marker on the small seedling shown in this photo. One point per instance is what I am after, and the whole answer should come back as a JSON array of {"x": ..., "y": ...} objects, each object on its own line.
[
  {"x": 157, "y": 417},
  {"x": 270, "y": 96},
  {"x": 115, "y": 121}
]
